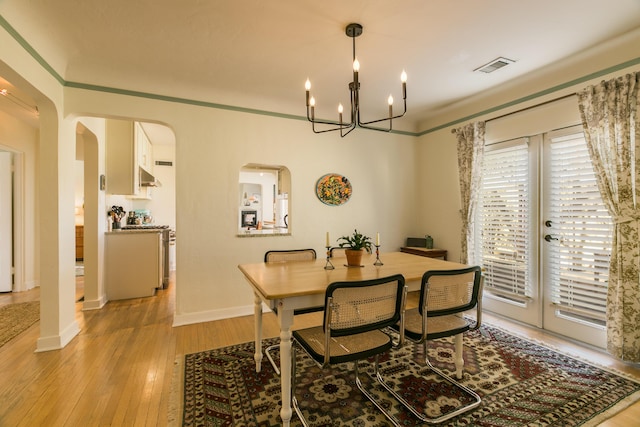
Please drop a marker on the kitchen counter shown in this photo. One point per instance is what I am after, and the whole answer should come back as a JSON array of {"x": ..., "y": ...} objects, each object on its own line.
[
  {"x": 133, "y": 263},
  {"x": 135, "y": 231}
]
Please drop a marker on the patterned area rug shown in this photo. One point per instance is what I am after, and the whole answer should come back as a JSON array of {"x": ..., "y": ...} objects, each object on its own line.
[
  {"x": 16, "y": 318},
  {"x": 521, "y": 384}
]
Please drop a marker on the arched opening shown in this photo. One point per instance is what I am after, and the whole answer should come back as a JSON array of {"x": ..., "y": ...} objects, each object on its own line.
[{"x": 264, "y": 192}]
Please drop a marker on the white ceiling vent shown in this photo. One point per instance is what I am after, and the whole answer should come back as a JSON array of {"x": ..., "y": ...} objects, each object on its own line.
[{"x": 494, "y": 65}]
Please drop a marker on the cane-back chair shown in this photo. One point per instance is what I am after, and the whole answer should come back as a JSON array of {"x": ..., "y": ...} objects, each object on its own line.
[{"x": 355, "y": 317}]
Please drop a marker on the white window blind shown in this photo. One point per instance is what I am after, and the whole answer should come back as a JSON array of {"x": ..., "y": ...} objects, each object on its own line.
[
  {"x": 504, "y": 220},
  {"x": 580, "y": 257}
]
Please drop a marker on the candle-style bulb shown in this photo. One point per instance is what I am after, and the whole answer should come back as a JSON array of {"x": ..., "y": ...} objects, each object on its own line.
[
  {"x": 340, "y": 108},
  {"x": 307, "y": 86},
  {"x": 403, "y": 78},
  {"x": 390, "y": 100},
  {"x": 312, "y": 102},
  {"x": 356, "y": 65}
]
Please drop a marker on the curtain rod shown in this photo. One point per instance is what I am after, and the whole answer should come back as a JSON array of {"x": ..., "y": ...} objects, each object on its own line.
[
  {"x": 528, "y": 108},
  {"x": 560, "y": 98}
]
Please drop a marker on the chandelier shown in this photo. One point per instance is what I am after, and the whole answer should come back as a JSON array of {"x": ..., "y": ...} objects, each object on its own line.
[{"x": 353, "y": 31}]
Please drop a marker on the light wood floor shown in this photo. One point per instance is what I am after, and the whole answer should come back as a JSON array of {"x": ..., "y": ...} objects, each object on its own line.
[{"x": 118, "y": 370}]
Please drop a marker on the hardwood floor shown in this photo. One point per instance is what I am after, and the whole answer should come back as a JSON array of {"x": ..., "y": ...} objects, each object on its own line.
[{"x": 118, "y": 370}]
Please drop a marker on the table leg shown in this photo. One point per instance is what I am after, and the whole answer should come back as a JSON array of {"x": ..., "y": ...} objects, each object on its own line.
[
  {"x": 257, "y": 317},
  {"x": 285, "y": 318}
]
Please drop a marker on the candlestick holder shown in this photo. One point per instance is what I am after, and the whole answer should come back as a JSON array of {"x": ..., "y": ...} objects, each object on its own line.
[
  {"x": 378, "y": 262},
  {"x": 328, "y": 265}
]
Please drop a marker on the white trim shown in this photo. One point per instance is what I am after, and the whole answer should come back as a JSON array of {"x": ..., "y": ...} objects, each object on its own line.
[
  {"x": 56, "y": 342},
  {"x": 94, "y": 304},
  {"x": 211, "y": 315}
]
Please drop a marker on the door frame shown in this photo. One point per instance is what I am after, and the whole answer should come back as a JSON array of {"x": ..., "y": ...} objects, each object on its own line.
[{"x": 17, "y": 199}]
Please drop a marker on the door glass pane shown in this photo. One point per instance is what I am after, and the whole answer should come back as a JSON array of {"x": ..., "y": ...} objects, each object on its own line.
[
  {"x": 504, "y": 219},
  {"x": 579, "y": 258}
]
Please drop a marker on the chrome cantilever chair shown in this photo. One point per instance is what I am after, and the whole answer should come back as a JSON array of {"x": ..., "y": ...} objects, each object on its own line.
[
  {"x": 355, "y": 314},
  {"x": 289, "y": 255},
  {"x": 444, "y": 296},
  {"x": 337, "y": 252}
]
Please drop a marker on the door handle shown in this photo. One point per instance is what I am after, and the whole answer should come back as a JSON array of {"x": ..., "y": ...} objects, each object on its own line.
[{"x": 549, "y": 238}]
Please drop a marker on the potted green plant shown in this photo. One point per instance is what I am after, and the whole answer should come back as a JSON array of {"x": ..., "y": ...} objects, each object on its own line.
[{"x": 354, "y": 245}]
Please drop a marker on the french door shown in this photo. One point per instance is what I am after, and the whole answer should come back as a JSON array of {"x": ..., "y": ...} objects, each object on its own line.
[
  {"x": 543, "y": 235},
  {"x": 576, "y": 241}
]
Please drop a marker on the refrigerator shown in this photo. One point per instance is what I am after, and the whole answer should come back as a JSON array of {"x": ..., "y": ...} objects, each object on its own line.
[{"x": 282, "y": 212}]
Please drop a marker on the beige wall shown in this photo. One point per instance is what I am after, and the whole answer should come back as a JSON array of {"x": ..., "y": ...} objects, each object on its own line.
[
  {"x": 18, "y": 137},
  {"x": 211, "y": 147}
]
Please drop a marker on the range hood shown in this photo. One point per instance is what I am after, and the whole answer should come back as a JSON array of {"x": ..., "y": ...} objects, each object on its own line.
[{"x": 148, "y": 180}]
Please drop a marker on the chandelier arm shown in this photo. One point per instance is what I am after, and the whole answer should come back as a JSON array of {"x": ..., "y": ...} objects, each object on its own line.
[
  {"x": 336, "y": 126},
  {"x": 321, "y": 122},
  {"x": 387, "y": 130},
  {"x": 333, "y": 129},
  {"x": 347, "y": 132},
  {"x": 360, "y": 123},
  {"x": 351, "y": 127}
]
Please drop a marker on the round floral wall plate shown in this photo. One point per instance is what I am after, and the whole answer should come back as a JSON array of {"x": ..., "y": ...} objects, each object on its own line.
[{"x": 333, "y": 189}]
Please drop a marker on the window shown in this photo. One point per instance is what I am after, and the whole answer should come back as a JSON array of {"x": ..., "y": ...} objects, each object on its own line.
[
  {"x": 503, "y": 217},
  {"x": 579, "y": 261}
]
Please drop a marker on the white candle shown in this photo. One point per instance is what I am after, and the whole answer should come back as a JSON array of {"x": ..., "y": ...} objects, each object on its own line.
[
  {"x": 328, "y": 244},
  {"x": 377, "y": 239}
]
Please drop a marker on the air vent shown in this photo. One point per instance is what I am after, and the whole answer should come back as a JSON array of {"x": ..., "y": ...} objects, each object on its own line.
[
  {"x": 163, "y": 163},
  {"x": 494, "y": 65}
]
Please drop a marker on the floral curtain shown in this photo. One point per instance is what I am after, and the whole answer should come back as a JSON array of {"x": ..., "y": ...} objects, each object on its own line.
[
  {"x": 609, "y": 113},
  {"x": 470, "y": 150}
]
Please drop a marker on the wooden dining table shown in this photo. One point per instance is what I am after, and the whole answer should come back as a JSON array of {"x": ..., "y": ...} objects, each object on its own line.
[{"x": 293, "y": 285}]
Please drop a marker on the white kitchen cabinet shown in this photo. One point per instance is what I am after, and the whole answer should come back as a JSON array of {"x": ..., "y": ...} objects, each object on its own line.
[
  {"x": 127, "y": 150},
  {"x": 133, "y": 264},
  {"x": 144, "y": 147}
]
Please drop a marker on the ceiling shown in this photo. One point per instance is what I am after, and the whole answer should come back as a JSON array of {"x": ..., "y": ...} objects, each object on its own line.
[{"x": 257, "y": 54}]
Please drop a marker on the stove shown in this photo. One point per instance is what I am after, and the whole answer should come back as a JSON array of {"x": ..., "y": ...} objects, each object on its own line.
[{"x": 145, "y": 227}]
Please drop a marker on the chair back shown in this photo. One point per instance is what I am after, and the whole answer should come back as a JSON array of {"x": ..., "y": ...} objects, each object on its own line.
[
  {"x": 337, "y": 252},
  {"x": 362, "y": 306},
  {"x": 290, "y": 255},
  {"x": 445, "y": 292}
]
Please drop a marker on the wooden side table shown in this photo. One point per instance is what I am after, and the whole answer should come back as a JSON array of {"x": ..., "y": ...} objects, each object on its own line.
[{"x": 430, "y": 253}]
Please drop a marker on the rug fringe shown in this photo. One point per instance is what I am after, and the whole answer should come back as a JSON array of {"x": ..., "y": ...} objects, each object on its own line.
[
  {"x": 612, "y": 411},
  {"x": 174, "y": 418}
]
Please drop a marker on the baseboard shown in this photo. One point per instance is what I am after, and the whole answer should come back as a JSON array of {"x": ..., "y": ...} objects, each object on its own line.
[
  {"x": 211, "y": 315},
  {"x": 57, "y": 342},
  {"x": 25, "y": 286},
  {"x": 94, "y": 304}
]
